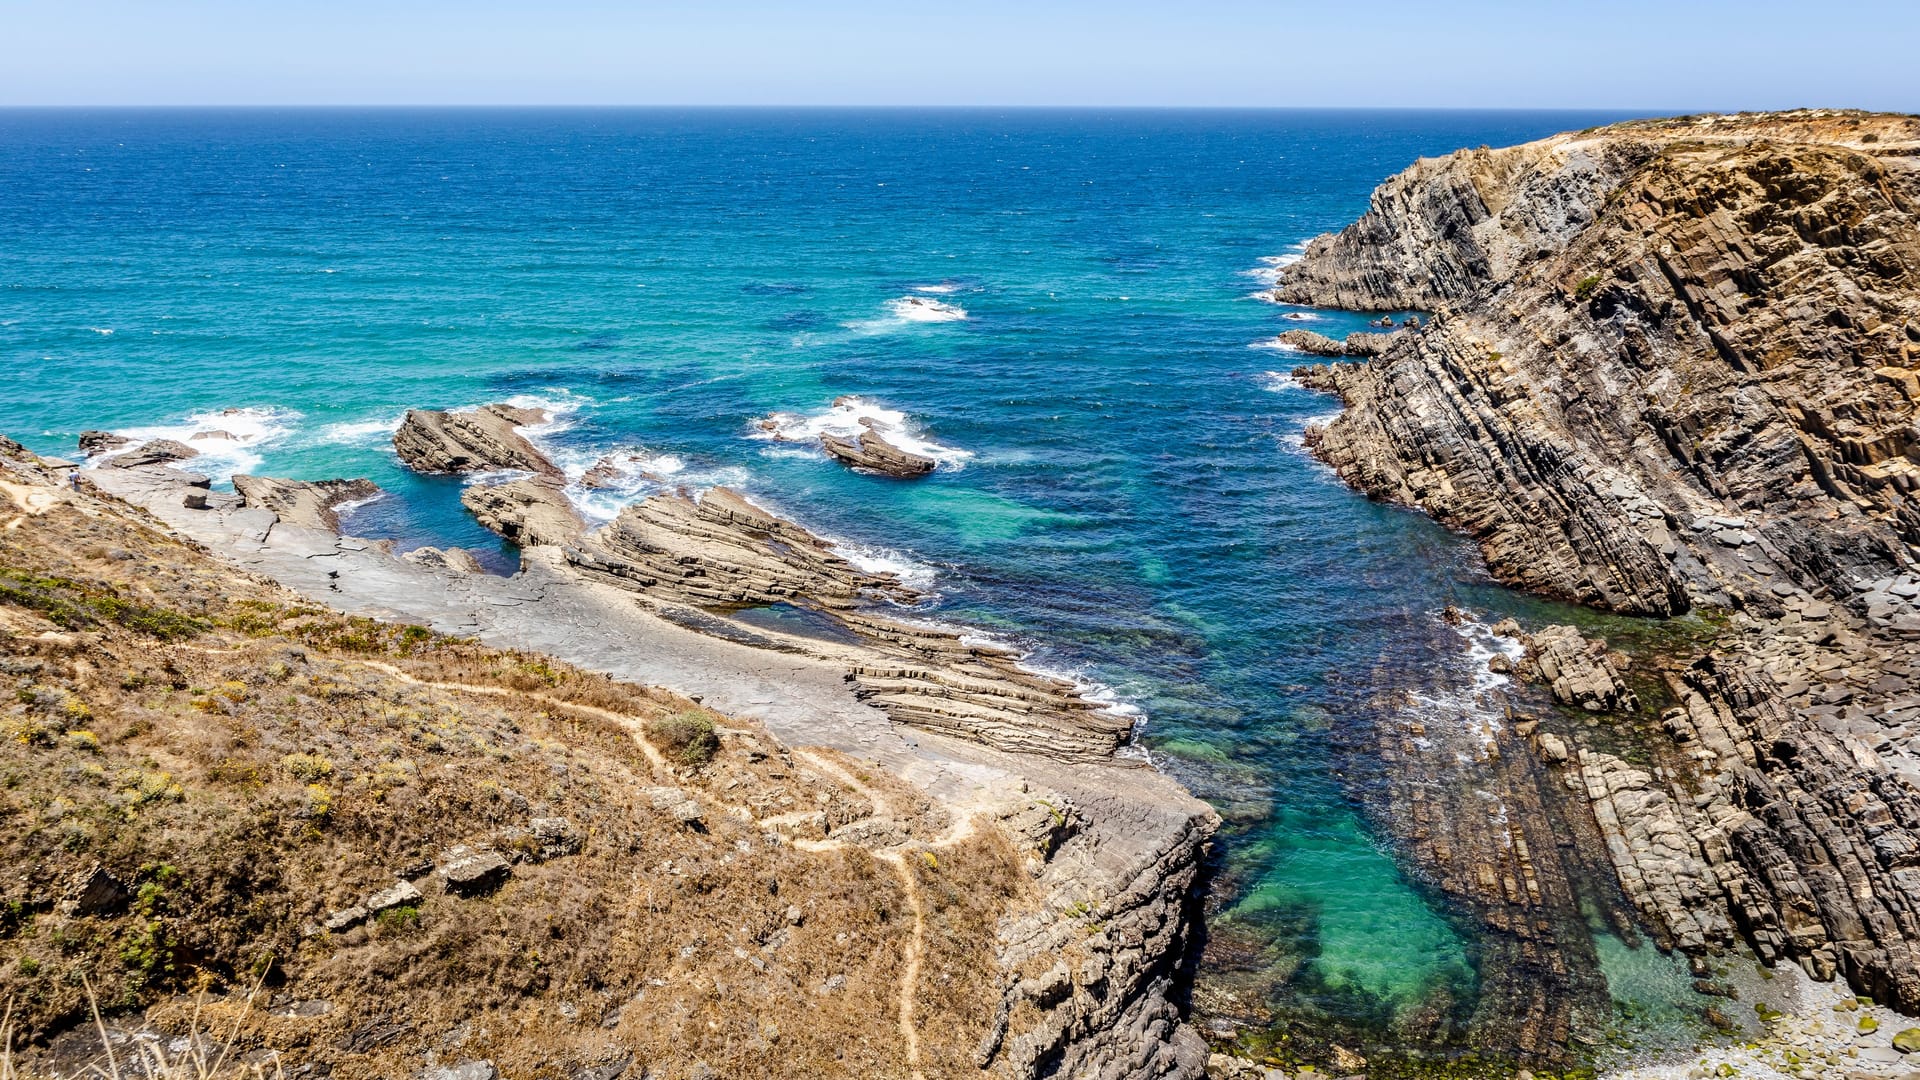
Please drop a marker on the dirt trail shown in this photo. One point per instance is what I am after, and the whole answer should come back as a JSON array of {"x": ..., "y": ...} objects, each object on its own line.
[{"x": 964, "y": 824}]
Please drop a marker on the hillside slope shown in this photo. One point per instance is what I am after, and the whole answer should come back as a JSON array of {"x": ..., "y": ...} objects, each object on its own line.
[{"x": 369, "y": 849}]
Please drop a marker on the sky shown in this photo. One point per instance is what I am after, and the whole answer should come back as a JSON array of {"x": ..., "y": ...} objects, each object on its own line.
[{"x": 1671, "y": 56}]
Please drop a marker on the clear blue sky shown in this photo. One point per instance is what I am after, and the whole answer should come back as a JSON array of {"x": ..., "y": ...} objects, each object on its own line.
[{"x": 1629, "y": 54}]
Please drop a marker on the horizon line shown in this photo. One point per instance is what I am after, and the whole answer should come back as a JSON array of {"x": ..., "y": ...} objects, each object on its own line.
[{"x": 820, "y": 106}]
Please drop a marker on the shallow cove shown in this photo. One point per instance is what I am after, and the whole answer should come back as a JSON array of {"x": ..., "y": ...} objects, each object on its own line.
[{"x": 1137, "y": 508}]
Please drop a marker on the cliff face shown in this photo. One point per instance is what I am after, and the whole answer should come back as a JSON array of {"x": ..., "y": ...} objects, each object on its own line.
[{"x": 1673, "y": 364}]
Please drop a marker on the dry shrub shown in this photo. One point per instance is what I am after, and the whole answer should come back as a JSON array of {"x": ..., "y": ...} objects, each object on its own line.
[{"x": 686, "y": 737}]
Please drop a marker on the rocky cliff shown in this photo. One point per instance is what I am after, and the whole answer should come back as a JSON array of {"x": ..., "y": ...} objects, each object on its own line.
[{"x": 1671, "y": 365}]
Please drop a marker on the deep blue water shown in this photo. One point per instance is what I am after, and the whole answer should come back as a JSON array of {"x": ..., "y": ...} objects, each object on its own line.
[{"x": 1135, "y": 507}]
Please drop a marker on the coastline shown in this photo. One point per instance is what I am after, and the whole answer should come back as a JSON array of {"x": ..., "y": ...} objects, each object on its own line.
[{"x": 1128, "y": 868}]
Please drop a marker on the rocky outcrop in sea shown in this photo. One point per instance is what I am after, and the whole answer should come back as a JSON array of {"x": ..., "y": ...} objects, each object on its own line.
[{"x": 1673, "y": 367}]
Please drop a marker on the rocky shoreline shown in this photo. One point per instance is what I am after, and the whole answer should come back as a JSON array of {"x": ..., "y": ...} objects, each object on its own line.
[
  {"x": 1671, "y": 367},
  {"x": 1089, "y": 979}
]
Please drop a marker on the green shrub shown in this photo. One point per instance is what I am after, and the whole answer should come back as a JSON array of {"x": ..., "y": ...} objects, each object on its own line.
[
  {"x": 687, "y": 738},
  {"x": 307, "y": 768},
  {"x": 396, "y": 919},
  {"x": 1583, "y": 288}
]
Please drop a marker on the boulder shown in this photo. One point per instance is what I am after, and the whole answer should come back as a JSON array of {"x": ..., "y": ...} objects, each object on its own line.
[
  {"x": 94, "y": 892},
  {"x": 400, "y": 894},
  {"x": 99, "y": 442},
  {"x": 459, "y": 559},
  {"x": 468, "y": 872}
]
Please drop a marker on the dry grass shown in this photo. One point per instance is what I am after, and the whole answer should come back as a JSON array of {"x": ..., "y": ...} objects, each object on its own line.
[{"x": 244, "y": 764}]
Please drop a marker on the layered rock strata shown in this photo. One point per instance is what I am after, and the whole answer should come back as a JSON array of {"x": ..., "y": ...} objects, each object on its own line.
[
  {"x": 871, "y": 452},
  {"x": 529, "y": 511},
  {"x": 313, "y": 504},
  {"x": 471, "y": 440},
  {"x": 722, "y": 551},
  {"x": 1673, "y": 366}
]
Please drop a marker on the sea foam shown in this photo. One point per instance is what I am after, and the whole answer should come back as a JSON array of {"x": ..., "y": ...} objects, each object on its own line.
[
  {"x": 921, "y": 309},
  {"x": 846, "y": 418},
  {"x": 229, "y": 440}
]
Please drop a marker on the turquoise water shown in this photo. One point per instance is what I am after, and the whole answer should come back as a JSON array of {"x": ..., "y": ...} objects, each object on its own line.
[{"x": 1124, "y": 491}]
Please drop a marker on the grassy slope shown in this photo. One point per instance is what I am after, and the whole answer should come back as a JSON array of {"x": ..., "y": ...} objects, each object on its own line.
[{"x": 246, "y": 764}]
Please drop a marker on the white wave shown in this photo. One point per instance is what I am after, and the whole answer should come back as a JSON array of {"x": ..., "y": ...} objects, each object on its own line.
[
  {"x": 1308, "y": 423},
  {"x": 920, "y": 309},
  {"x": 1303, "y": 316},
  {"x": 562, "y": 407},
  {"x": 354, "y": 432},
  {"x": 1277, "y": 381},
  {"x": 1474, "y": 705},
  {"x": 103, "y": 331},
  {"x": 847, "y": 418},
  {"x": 871, "y": 559},
  {"x": 1276, "y": 345},
  {"x": 601, "y": 483},
  {"x": 944, "y": 288},
  {"x": 228, "y": 440}
]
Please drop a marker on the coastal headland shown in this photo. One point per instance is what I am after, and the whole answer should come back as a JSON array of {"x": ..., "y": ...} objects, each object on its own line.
[{"x": 1668, "y": 368}]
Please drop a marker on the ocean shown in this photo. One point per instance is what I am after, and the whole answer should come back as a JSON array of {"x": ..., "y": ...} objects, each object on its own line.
[{"x": 1058, "y": 304}]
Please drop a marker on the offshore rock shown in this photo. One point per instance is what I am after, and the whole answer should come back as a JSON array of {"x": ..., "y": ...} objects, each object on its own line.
[
  {"x": 95, "y": 442},
  {"x": 1673, "y": 364},
  {"x": 873, "y": 453},
  {"x": 309, "y": 503},
  {"x": 471, "y": 440},
  {"x": 1317, "y": 344}
]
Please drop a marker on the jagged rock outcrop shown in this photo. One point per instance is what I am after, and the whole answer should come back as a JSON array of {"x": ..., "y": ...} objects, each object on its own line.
[
  {"x": 872, "y": 452},
  {"x": 1317, "y": 344},
  {"x": 529, "y": 511},
  {"x": 309, "y": 503},
  {"x": 471, "y": 440},
  {"x": 1655, "y": 371},
  {"x": 721, "y": 551},
  {"x": 1579, "y": 671},
  {"x": 95, "y": 442},
  {"x": 1673, "y": 364},
  {"x": 152, "y": 452}
]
